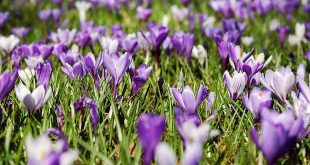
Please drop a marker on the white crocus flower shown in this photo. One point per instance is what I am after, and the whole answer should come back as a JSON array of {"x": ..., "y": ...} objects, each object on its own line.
[
  {"x": 199, "y": 53},
  {"x": 165, "y": 20},
  {"x": 41, "y": 149},
  {"x": 247, "y": 40},
  {"x": 295, "y": 39},
  {"x": 109, "y": 45},
  {"x": 274, "y": 24},
  {"x": 179, "y": 13},
  {"x": 7, "y": 44},
  {"x": 82, "y": 7},
  {"x": 33, "y": 61},
  {"x": 164, "y": 155},
  {"x": 32, "y": 101},
  {"x": 235, "y": 83},
  {"x": 26, "y": 75}
]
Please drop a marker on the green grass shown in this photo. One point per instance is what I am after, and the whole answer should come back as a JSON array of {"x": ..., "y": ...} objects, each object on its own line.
[{"x": 115, "y": 141}]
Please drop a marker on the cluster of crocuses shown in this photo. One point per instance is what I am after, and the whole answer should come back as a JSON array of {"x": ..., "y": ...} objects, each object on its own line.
[
  {"x": 32, "y": 67},
  {"x": 281, "y": 128},
  {"x": 246, "y": 9},
  {"x": 193, "y": 132}
]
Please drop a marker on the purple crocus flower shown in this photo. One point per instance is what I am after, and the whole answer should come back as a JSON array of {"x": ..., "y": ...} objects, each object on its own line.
[
  {"x": 280, "y": 132},
  {"x": 85, "y": 102},
  {"x": 47, "y": 14},
  {"x": 283, "y": 32},
  {"x": 117, "y": 32},
  {"x": 257, "y": 101},
  {"x": 36, "y": 53},
  {"x": 70, "y": 57},
  {"x": 7, "y": 82},
  {"x": 60, "y": 116},
  {"x": 223, "y": 47},
  {"x": 183, "y": 43},
  {"x": 43, "y": 73},
  {"x": 130, "y": 44},
  {"x": 20, "y": 32},
  {"x": 222, "y": 7},
  {"x": 158, "y": 34},
  {"x": 144, "y": 14},
  {"x": 95, "y": 32},
  {"x": 150, "y": 129},
  {"x": 83, "y": 38},
  {"x": 246, "y": 62},
  {"x": 92, "y": 66},
  {"x": 4, "y": 16},
  {"x": 117, "y": 67},
  {"x": 187, "y": 100},
  {"x": 235, "y": 84},
  {"x": 279, "y": 82},
  {"x": 308, "y": 54},
  {"x": 74, "y": 71},
  {"x": 138, "y": 77}
]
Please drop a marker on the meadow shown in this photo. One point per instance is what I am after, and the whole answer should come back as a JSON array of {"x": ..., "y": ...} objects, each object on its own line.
[{"x": 154, "y": 82}]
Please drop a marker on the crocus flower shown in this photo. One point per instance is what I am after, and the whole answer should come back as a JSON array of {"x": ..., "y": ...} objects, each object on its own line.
[
  {"x": 35, "y": 100},
  {"x": 60, "y": 116},
  {"x": 183, "y": 43},
  {"x": 180, "y": 14},
  {"x": 150, "y": 128},
  {"x": 117, "y": 67},
  {"x": 283, "y": 32},
  {"x": 94, "y": 31},
  {"x": 85, "y": 102},
  {"x": 200, "y": 53},
  {"x": 26, "y": 75},
  {"x": 223, "y": 47},
  {"x": 130, "y": 44},
  {"x": 64, "y": 36},
  {"x": 43, "y": 73},
  {"x": 47, "y": 14},
  {"x": 279, "y": 82},
  {"x": 247, "y": 62},
  {"x": 138, "y": 77},
  {"x": 82, "y": 7},
  {"x": 7, "y": 82},
  {"x": 235, "y": 83},
  {"x": 164, "y": 155},
  {"x": 247, "y": 40},
  {"x": 195, "y": 138},
  {"x": 35, "y": 53},
  {"x": 92, "y": 66},
  {"x": 308, "y": 54},
  {"x": 274, "y": 24},
  {"x": 43, "y": 151},
  {"x": 258, "y": 100},
  {"x": 20, "y": 32},
  {"x": 74, "y": 71},
  {"x": 4, "y": 16},
  {"x": 83, "y": 38},
  {"x": 144, "y": 14},
  {"x": 280, "y": 132},
  {"x": 187, "y": 100},
  {"x": 7, "y": 44},
  {"x": 295, "y": 39},
  {"x": 109, "y": 45},
  {"x": 158, "y": 34}
]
